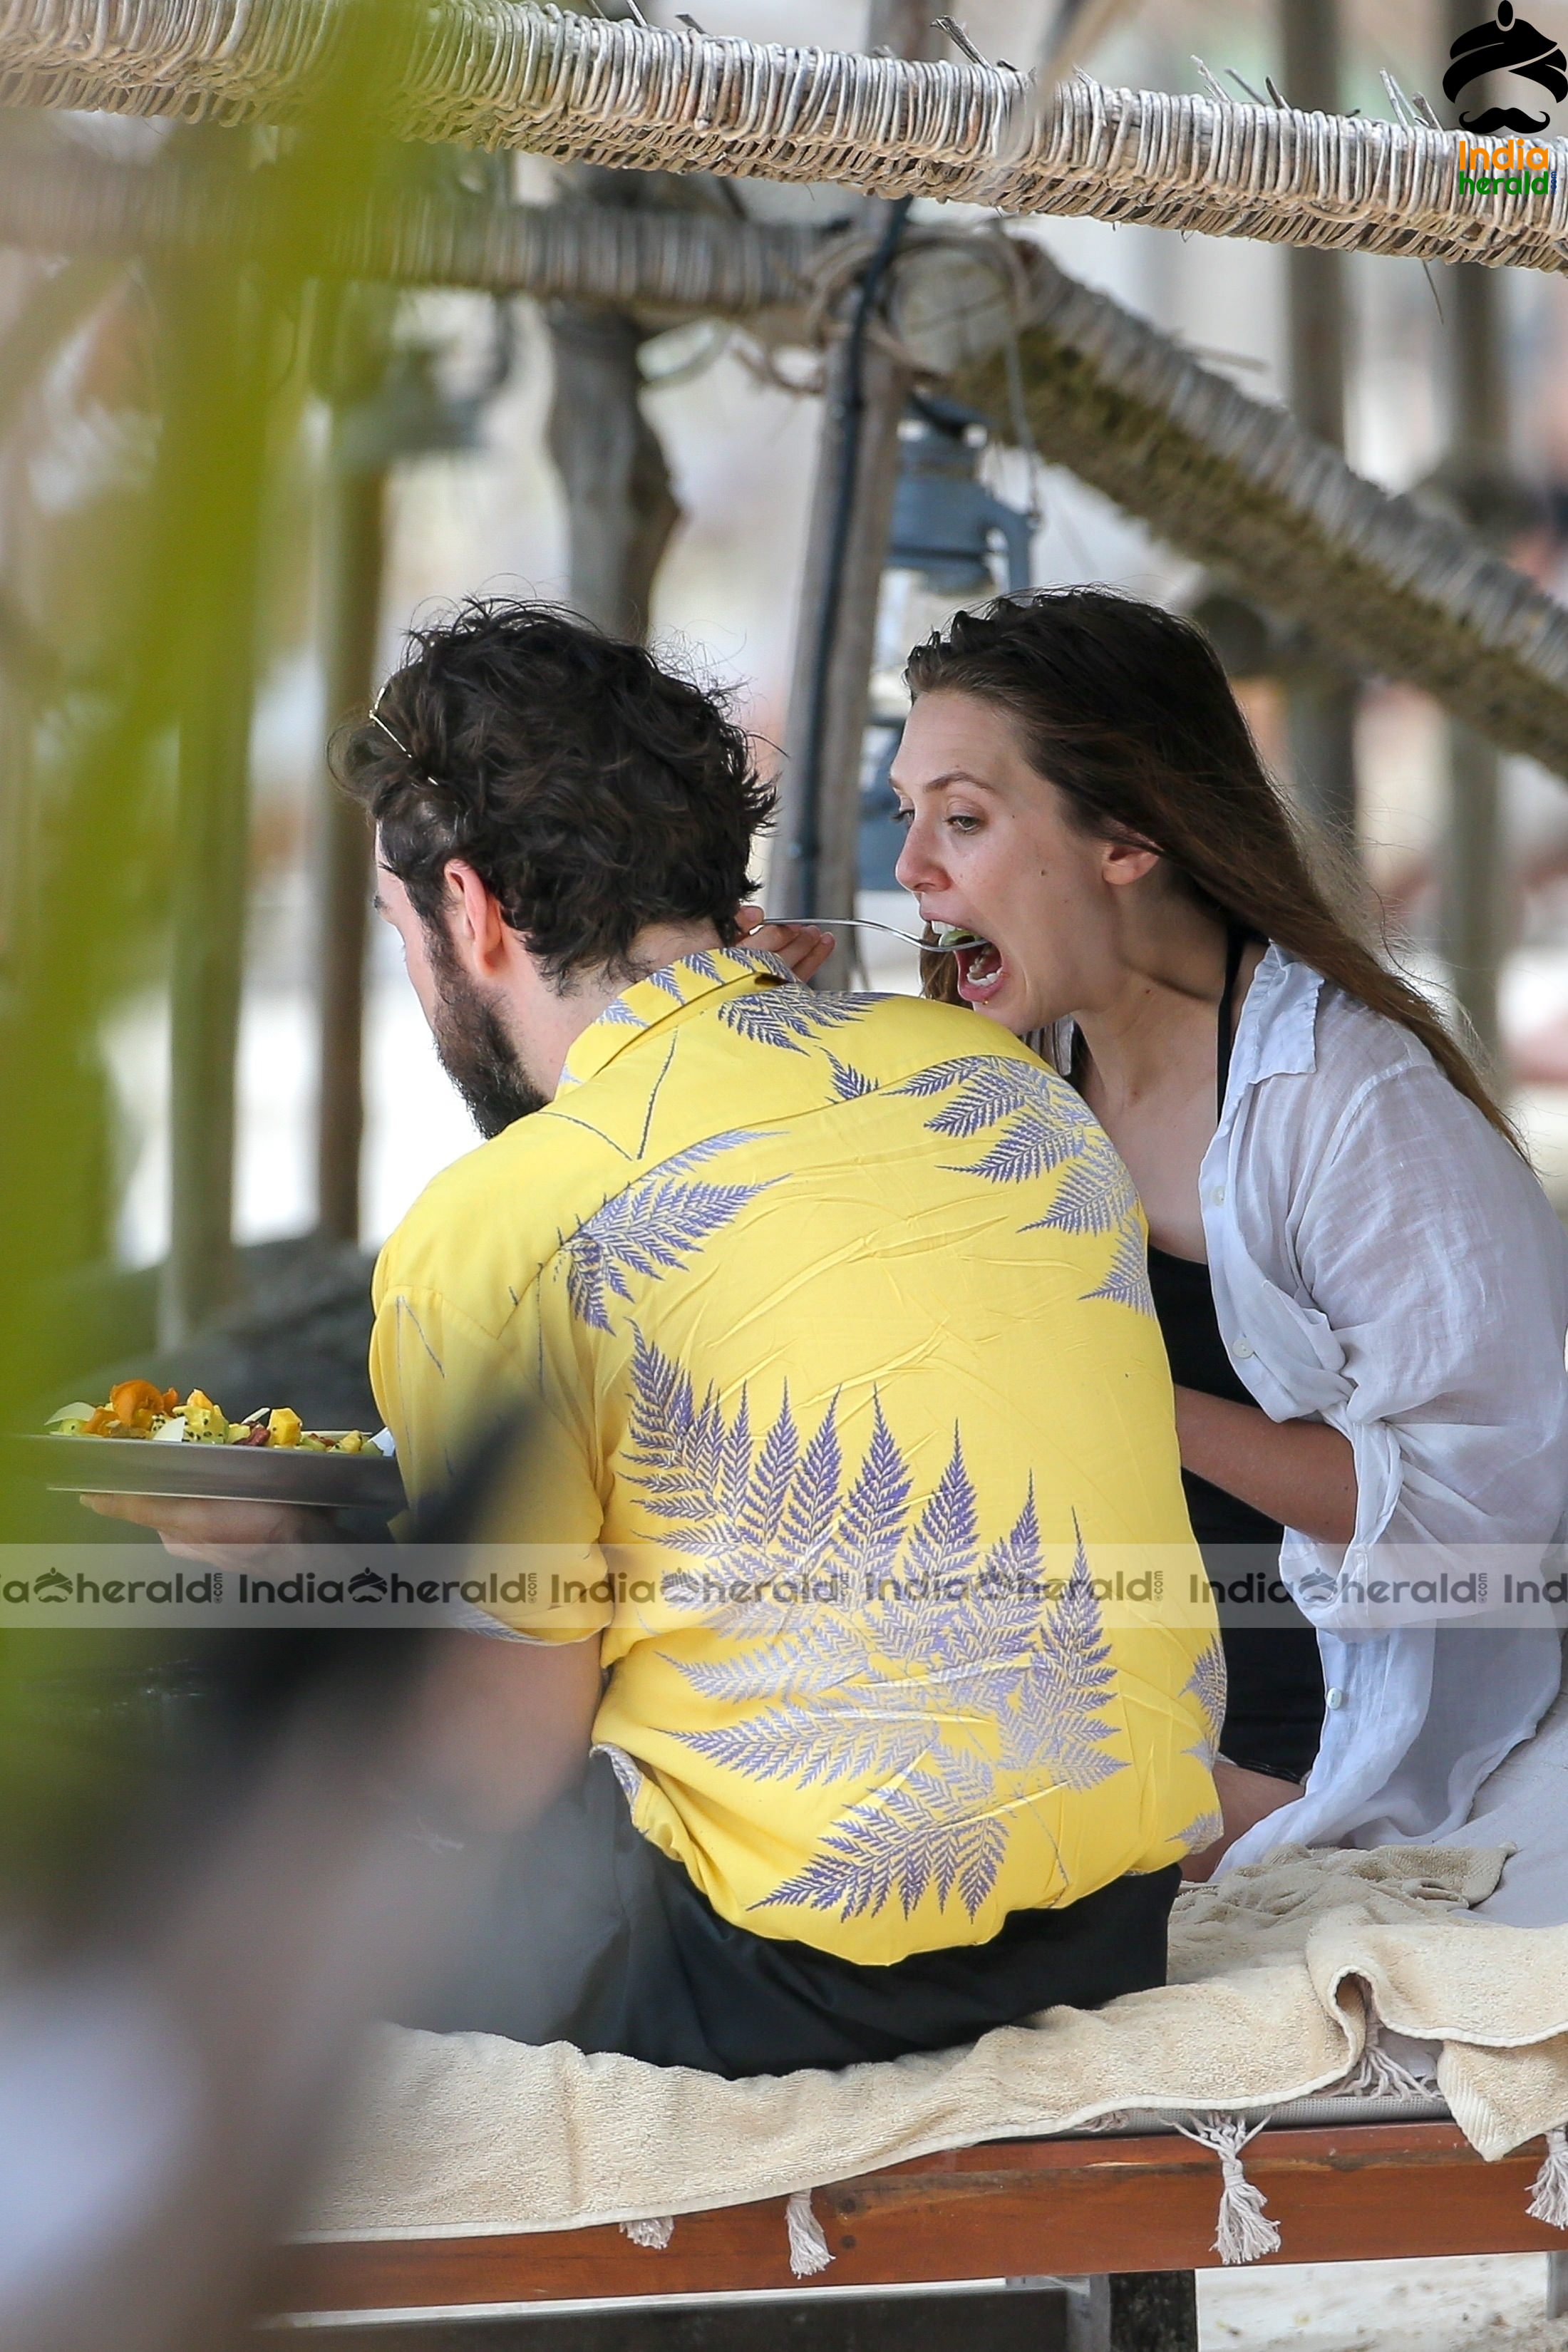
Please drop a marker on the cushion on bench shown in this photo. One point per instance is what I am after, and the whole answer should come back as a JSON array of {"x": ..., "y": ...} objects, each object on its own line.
[{"x": 1282, "y": 1975}]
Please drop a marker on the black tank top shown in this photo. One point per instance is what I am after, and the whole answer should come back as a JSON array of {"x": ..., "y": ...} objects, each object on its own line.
[
  {"x": 1275, "y": 1715},
  {"x": 1184, "y": 1301}
]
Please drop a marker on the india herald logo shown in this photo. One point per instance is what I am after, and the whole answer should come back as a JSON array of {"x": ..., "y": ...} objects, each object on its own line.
[{"x": 1506, "y": 45}]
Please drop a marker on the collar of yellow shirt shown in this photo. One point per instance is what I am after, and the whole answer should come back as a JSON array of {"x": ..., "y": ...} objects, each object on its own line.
[{"x": 647, "y": 1003}]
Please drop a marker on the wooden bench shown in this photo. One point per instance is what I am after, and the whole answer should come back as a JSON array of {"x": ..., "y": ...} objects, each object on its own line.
[{"x": 1017, "y": 2208}]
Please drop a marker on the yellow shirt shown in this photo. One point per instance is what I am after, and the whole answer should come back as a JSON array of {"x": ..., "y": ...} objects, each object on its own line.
[{"x": 831, "y": 1319}]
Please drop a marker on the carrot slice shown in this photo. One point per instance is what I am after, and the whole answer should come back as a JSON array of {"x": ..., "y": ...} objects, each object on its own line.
[{"x": 133, "y": 1398}]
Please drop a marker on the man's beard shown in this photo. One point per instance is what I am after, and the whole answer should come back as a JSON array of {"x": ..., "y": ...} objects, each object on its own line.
[{"x": 475, "y": 1053}]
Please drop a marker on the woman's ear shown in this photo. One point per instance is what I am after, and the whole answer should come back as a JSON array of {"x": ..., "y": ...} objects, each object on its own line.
[{"x": 1126, "y": 861}]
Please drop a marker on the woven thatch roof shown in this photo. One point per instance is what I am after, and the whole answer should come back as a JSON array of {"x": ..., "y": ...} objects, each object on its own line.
[
  {"x": 1235, "y": 483},
  {"x": 504, "y": 73},
  {"x": 1226, "y": 479}
]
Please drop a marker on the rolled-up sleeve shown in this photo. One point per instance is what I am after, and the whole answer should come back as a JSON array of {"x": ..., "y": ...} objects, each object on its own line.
[{"x": 1434, "y": 1257}]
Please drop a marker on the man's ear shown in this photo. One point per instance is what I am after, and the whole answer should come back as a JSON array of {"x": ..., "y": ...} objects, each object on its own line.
[{"x": 475, "y": 923}]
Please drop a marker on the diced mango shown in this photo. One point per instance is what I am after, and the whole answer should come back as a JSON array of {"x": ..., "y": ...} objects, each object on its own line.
[
  {"x": 206, "y": 1423},
  {"x": 284, "y": 1427}
]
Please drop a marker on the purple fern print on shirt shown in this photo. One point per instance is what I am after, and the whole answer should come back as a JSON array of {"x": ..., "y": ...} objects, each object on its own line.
[
  {"x": 1208, "y": 1684},
  {"x": 899, "y": 1650},
  {"x": 792, "y": 1017},
  {"x": 652, "y": 1229},
  {"x": 1037, "y": 1124}
]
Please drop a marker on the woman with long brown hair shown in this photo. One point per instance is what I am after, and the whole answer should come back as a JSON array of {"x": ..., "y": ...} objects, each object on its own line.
[{"x": 1362, "y": 1288}]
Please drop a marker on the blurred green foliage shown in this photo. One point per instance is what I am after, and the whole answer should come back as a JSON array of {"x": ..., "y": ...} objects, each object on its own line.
[{"x": 125, "y": 716}]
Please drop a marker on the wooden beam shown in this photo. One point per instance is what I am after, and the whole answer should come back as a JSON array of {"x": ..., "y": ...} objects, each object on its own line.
[
  {"x": 1360, "y": 2192},
  {"x": 669, "y": 263}
]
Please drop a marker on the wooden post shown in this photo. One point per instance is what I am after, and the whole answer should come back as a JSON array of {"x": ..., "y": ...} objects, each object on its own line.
[
  {"x": 354, "y": 560},
  {"x": 907, "y": 29},
  {"x": 211, "y": 370},
  {"x": 1309, "y": 34},
  {"x": 1472, "y": 918},
  {"x": 816, "y": 841},
  {"x": 1473, "y": 884},
  {"x": 1557, "y": 2286},
  {"x": 1136, "y": 2311},
  {"x": 1322, "y": 708},
  {"x": 206, "y": 976},
  {"x": 51, "y": 311},
  {"x": 621, "y": 507},
  {"x": 620, "y": 503},
  {"x": 816, "y": 855}
]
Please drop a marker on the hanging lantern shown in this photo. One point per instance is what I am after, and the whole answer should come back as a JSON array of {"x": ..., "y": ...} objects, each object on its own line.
[
  {"x": 946, "y": 522},
  {"x": 952, "y": 544}
]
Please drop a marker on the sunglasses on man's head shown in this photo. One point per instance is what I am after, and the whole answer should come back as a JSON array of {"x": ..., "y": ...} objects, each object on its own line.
[{"x": 398, "y": 744}]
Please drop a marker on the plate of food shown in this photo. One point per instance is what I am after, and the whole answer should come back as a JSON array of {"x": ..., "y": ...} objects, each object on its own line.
[{"x": 146, "y": 1441}]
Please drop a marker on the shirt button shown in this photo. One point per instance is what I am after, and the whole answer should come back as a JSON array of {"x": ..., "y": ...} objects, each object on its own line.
[
  {"x": 1335, "y": 1697},
  {"x": 1244, "y": 1348},
  {"x": 1217, "y": 1194}
]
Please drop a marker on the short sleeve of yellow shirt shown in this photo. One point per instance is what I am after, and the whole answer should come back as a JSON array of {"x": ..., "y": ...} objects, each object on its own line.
[{"x": 849, "y": 1429}]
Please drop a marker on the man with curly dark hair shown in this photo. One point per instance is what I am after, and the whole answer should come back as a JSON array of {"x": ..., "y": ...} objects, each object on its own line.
[
  {"x": 814, "y": 1718},
  {"x": 867, "y": 1777},
  {"x": 524, "y": 772}
]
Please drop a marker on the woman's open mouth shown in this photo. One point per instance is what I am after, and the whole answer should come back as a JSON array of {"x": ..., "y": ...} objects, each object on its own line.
[{"x": 982, "y": 967}]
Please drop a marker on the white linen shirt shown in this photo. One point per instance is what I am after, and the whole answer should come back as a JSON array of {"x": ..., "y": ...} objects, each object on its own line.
[{"x": 1383, "y": 1261}]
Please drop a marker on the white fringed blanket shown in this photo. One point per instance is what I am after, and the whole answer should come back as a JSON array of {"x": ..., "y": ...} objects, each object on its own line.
[{"x": 1283, "y": 1977}]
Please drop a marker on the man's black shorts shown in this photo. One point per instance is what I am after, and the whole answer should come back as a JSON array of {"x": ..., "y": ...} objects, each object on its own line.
[{"x": 591, "y": 1935}]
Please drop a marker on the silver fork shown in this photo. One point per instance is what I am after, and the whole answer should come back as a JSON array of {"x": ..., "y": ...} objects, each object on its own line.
[{"x": 858, "y": 923}]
